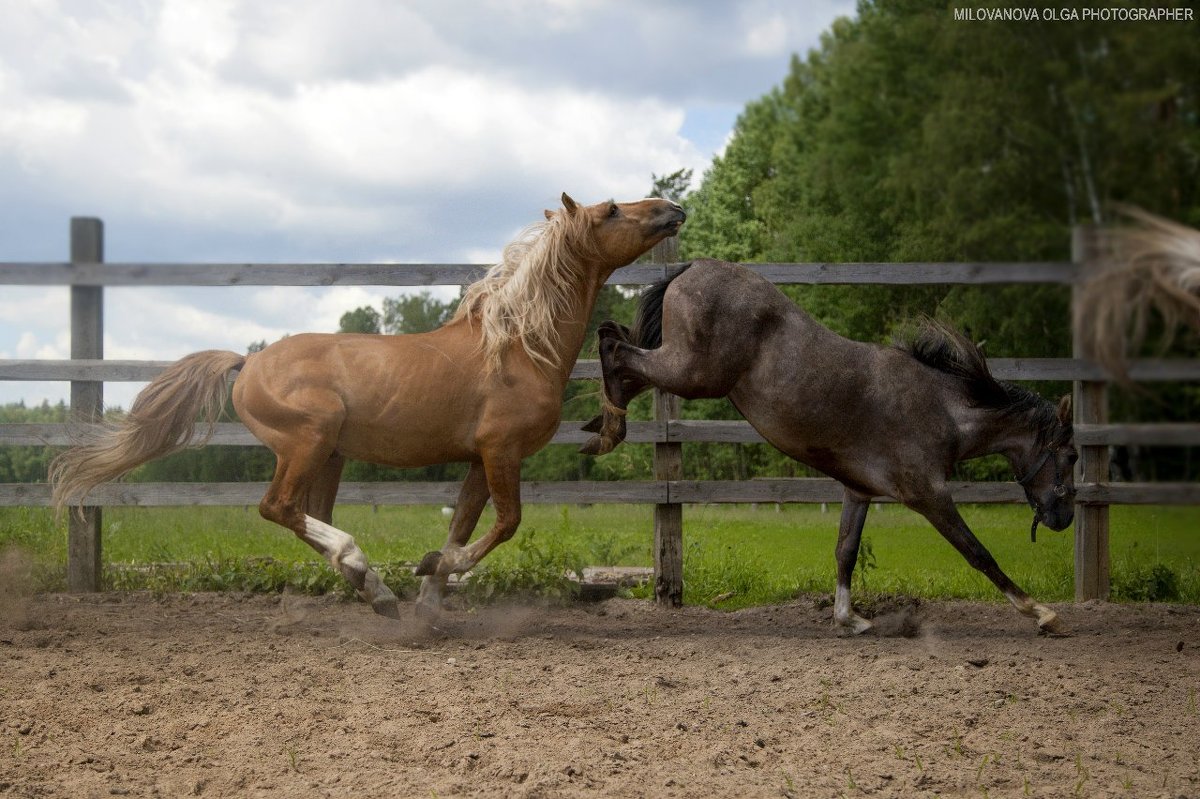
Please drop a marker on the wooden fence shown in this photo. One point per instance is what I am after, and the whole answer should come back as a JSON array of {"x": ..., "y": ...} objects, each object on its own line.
[{"x": 86, "y": 274}]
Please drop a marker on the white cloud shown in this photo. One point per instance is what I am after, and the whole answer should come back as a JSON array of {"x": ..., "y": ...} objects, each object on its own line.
[{"x": 366, "y": 130}]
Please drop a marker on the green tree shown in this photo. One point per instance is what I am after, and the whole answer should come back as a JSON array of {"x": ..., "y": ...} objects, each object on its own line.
[
  {"x": 361, "y": 320},
  {"x": 416, "y": 313},
  {"x": 671, "y": 187}
]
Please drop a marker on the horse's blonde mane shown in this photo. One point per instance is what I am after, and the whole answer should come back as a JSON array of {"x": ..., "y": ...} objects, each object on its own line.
[
  {"x": 524, "y": 297},
  {"x": 1154, "y": 266}
]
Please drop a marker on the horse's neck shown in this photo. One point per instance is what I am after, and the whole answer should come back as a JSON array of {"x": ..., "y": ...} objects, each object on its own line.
[
  {"x": 991, "y": 433},
  {"x": 572, "y": 327}
]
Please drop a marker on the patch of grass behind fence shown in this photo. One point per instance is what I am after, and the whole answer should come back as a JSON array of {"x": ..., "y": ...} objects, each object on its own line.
[{"x": 735, "y": 556}]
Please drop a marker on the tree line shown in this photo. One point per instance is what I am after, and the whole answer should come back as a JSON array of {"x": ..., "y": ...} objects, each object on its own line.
[{"x": 907, "y": 135}]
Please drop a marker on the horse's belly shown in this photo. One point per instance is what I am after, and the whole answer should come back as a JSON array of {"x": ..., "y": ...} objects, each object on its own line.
[{"x": 404, "y": 448}]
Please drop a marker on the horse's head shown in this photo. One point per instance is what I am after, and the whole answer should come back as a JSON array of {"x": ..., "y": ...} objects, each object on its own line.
[
  {"x": 1047, "y": 472},
  {"x": 619, "y": 232}
]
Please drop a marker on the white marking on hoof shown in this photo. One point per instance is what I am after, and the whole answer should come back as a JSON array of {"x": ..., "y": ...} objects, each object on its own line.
[
  {"x": 343, "y": 554},
  {"x": 844, "y": 615},
  {"x": 1048, "y": 622},
  {"x": 859, "y": 625}
]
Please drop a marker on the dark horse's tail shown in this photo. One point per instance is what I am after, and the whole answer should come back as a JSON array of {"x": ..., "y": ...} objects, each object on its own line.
[
  {"x": 162, "y": 420},
  {"x": 646, "y": 332}
]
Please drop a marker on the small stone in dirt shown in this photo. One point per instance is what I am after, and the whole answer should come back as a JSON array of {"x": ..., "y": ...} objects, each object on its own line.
[
  {"x": 141, "y": 709},
  {"x": 978, "y": 663}
]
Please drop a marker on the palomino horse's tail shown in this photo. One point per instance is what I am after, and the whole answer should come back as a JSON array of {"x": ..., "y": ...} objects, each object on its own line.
[
  {"x": 162, "y": 420},
  {"x": 1154, "y": 267}
]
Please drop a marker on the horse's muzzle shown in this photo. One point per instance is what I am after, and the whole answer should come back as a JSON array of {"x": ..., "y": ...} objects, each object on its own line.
[{"x": 1058, "y": 519}]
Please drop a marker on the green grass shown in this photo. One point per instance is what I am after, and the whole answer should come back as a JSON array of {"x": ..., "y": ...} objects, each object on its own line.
[{"x": 735, "y": 556}]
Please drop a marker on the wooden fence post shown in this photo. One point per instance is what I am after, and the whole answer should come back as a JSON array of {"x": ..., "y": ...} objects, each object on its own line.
[
  {"x": 87, "y": 397},
  {"x": 668, "y": 465},
  {"x": 1090, "y": 402}
]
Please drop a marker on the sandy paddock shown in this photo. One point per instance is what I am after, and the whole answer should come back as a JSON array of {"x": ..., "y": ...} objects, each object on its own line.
[{"x": 221, "y": 695}]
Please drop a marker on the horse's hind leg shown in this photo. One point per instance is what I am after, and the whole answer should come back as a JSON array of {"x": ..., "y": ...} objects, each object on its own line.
[
  {"x": 323, "y": 492},
  {"x": 942, "y": 513},
  {"x": 306, "y": 483},
  {"x": 854, "y": 515}
]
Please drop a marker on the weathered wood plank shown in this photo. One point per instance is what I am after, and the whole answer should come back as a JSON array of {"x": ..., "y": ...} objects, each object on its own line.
[
  {"x": 818, "y": 489},
  {"x": 790, "y": 490},
  {"x": 677, "y": 431},
  {"x": 918, "y": 273},
  {"x": 1148, "y": 370},
  {"x": 235, "y": 434},
  {"x": 87, "y": 396},
  {"x": 393, "y": 493},
  {"x": 359, "y": 274},
  {"x": 1139, "y": 493},
  {"x": 1090, "y": 407},
  {"x": 110, "y": 371},
  {"x": 126, "y": 371},
  {"x": 1173, "y": 434}
]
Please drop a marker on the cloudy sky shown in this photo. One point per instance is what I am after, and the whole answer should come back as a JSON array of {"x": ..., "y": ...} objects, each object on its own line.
[{"x": 351, "y": 131}]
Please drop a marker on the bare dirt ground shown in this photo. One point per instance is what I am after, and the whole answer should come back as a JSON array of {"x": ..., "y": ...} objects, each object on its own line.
[{"x": 219, "y": 695}]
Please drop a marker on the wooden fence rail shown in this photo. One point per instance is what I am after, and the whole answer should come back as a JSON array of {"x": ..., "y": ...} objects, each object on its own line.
[{"x": 87, "y": 370}]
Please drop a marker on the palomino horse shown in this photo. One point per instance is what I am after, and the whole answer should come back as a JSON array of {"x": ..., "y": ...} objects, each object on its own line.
[
  {"x": 1151, "y": 267},
  {"x": 883, "y": 421},
  {"x": 485, "y": 389}
]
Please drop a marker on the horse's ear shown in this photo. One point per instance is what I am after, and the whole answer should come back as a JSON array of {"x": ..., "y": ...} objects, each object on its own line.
[
  {"x": 549, "y": 214},
  {"x": 569, "y": 204},
  {"x": 1064, "y": 409}
]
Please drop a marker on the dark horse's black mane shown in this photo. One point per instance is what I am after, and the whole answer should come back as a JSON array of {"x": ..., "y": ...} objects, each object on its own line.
[{"x": 944, "y": 348}]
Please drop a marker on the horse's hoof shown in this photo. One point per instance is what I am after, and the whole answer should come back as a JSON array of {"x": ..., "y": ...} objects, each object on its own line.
[
  {"x": 381, "y": 599},
  {"x": 429, "y": 564},
  {"x": 1048, "y": 624},
  {"x": 597, "y": 445},
  {"x": 1054, "y": 629},
  {"x": 594, "y": 426},
  {"x": 855, "y": 625},
  {"x": 387, "y": 606}
]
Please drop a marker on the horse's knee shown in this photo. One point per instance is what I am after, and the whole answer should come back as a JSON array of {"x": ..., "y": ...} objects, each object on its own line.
[
  {"x": 506, "y": 527},
  {"x": 272, "y": 510}
]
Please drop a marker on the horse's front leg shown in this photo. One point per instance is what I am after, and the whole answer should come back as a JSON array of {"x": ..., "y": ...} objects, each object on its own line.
[
  {"x": 854, "y": 515},
  {"x": 940, "y": 510},
  {"x": 472, "y": 498},
  {"x": 502, "y": 473},
  {"x": 619, "y": 389}
]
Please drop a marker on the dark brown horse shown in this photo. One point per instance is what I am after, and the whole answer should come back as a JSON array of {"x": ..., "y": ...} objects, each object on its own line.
[
  {"x": 883, "y": 421},
  {"x": 485, "y": 389}
]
